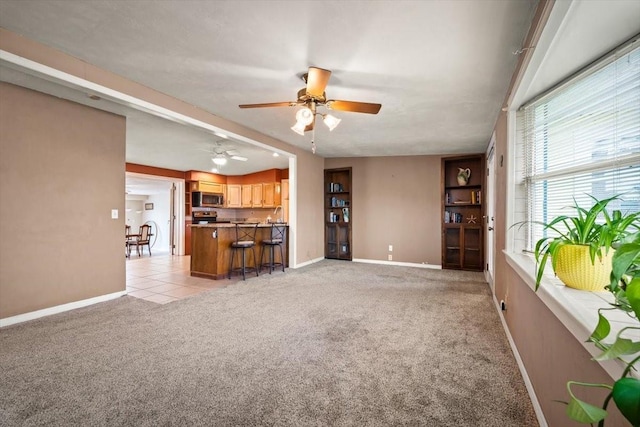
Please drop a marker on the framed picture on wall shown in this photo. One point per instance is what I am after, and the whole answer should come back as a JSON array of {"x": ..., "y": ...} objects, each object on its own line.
[{"x": 148, "y": 206}]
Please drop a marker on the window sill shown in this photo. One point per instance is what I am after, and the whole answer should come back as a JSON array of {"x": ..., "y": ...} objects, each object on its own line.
[{"x": 576, "y": 310}]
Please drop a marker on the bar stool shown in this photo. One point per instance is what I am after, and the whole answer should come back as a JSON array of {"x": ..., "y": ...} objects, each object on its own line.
[
  {"x": 245, "y": 239},
  {"x": 276, "y": 239}
]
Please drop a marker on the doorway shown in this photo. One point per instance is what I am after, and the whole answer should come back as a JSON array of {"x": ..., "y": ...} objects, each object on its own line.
[{"x": 155, "y": 200}]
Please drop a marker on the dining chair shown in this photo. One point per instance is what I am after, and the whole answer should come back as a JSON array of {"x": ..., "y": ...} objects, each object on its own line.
[
  {"x": 142, "y": 240},
  {"x": 127, "y": 240}
]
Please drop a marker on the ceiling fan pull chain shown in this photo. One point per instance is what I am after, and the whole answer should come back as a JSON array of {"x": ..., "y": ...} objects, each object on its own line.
[{"x": 313, "y": 139}]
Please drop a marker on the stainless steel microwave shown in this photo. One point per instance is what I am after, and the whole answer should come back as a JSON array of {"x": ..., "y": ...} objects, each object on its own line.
[{"x": 200, "y": 199}]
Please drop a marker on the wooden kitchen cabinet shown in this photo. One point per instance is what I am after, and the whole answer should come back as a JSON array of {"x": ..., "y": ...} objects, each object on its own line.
[
  {"x": 285, "y": 200},
  {"x": 256, "y": 195},
  {"x": 207, "y": 187},
  {"x": 234, "y": 196},
  {"x": 271, "y": 194},
  {"x": 246, "y": 195}
]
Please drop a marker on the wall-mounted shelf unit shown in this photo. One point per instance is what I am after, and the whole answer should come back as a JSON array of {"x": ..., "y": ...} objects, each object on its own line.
[
  {"x": 463, "y": 213},
  {"x": 337, "y": 213}
]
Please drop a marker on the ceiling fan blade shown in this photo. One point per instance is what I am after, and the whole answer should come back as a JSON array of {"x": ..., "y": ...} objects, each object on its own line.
[
  {"x": 241, "y": 158},
  {"x": 317, "y": 80},
  {"x": 355, "y": 107},
  {"x": 270, "y": 104}
]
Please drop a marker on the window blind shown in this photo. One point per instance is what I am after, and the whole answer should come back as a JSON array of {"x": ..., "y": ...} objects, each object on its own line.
[{"x": 582, "y": 139}]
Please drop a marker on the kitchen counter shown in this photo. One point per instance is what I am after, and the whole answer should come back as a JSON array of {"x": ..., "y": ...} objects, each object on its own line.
[
  {"x": 232, "y": 225},
  {"x": 211, "y": 248}
]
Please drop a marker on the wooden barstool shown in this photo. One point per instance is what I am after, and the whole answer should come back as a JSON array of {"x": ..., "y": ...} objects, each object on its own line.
[
  {"x": 276, "y": 239},
  {"x": 245, "y": 239}
]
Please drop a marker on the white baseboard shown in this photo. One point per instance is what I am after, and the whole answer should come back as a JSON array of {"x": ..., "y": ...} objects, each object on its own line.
[
  {"x": 311, "y": 261},
  {"x": 527, "y": 382},
  {"x": 402, "y": 264},
  {"x": 58, "y": 309}
]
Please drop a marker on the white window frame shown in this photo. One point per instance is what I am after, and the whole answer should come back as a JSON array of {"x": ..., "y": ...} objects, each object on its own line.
[{"x": 577, "y": 310}]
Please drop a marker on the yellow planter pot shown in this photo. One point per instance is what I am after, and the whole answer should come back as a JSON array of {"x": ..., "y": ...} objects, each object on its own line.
[{"x": 574, "y": 268}]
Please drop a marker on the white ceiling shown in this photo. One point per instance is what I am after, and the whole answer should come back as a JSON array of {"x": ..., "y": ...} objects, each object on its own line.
[
  {"x": 156, "y": 141},
  {"x": 440, "y": 69}
]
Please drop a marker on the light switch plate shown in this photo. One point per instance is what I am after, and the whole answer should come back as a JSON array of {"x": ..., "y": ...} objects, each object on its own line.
[
  {"x": 114, "y": 213},
  {"x": 390, "y": 248}
]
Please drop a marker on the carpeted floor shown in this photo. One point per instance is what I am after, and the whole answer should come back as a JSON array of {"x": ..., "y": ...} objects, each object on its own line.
[{"x": 332, "y": 344}]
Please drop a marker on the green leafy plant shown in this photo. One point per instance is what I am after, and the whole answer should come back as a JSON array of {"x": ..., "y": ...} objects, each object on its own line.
[
  {"x": 625, "y": 391},
  {"x": 594, "y": 227}
]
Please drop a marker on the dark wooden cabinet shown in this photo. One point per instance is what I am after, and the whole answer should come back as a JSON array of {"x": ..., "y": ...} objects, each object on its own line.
[
  {"x": 337, "y": 213},
  {"x": 463, "y": 212}
]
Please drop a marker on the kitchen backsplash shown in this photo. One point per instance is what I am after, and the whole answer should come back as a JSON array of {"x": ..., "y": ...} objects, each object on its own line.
[{"x": 251, "y": 215}]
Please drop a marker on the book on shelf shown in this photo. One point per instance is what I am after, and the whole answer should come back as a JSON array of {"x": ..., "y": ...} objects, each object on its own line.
[
  {"x": 335, "y": 187},
  {"x": 476, "y": 197},
  {"x": 452, "y": 217},
  {"x": 334, "y": 217},
  {"x": 335, "y": 202}
]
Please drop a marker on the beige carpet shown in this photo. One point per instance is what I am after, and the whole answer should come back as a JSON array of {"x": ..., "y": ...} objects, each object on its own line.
[{"x": 335, "y": 343}]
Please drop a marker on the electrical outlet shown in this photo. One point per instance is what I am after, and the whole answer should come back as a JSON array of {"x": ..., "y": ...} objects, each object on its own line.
[
  {"x": 390, "y": 257},
  {"x": 390, "y": 248},
  {"x": 114, "y": 213}
]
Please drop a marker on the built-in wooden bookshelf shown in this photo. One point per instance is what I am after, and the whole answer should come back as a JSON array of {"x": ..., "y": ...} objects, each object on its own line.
[
  {"x": 337, "y": 213},
  {"x": 463, "y": 213}
]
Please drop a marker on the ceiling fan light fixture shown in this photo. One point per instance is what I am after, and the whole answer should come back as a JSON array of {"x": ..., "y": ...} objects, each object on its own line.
[
  {"x": 298, "y": 128},
  {"x": 331, "y": 121},
  {"x": 220, "y": 160},
  {"x": 304, "y": 116}
]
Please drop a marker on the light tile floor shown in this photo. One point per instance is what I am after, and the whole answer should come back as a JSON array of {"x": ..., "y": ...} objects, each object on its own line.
[{"x": 164, "y": 278}]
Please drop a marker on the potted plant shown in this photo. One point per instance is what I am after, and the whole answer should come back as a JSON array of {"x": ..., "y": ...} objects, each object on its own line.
[
  {"x": 580, "y": 249},
  {"x": 625, "y": 391}
]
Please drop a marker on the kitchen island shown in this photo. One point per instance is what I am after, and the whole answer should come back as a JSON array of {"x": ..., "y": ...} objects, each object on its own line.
[{"x": 211, "y": 248}]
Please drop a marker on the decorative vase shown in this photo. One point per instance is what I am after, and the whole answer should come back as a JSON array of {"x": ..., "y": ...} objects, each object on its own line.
[
  {"x": 574, "y": 268},
  {"x": 463, "y": 176}
]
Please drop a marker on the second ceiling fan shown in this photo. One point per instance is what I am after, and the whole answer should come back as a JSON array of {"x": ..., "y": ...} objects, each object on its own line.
[{"x": 312, "y": 96}]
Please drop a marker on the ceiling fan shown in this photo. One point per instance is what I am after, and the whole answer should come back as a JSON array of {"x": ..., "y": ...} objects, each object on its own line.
[
  {"x": 221, "y": 156},
  {"x": 312, "y": 96}
]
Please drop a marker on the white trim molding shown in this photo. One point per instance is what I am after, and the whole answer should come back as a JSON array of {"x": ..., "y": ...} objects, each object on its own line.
[
  {"x": 311, "y": 261},
  {"x": 7, "y": 321},
  {"x": 525, "y": 376},
  {"x": 401, "y": 264}
]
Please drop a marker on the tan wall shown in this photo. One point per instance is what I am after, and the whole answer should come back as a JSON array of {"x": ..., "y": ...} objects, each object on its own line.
[
  {"x": 309, "y": 233},
  {"x": 61, "y": 173},
  {"x": 551, "y": 354},
  {"x": 396, "y": 201},
  {"x": 310, "y": 238}
]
